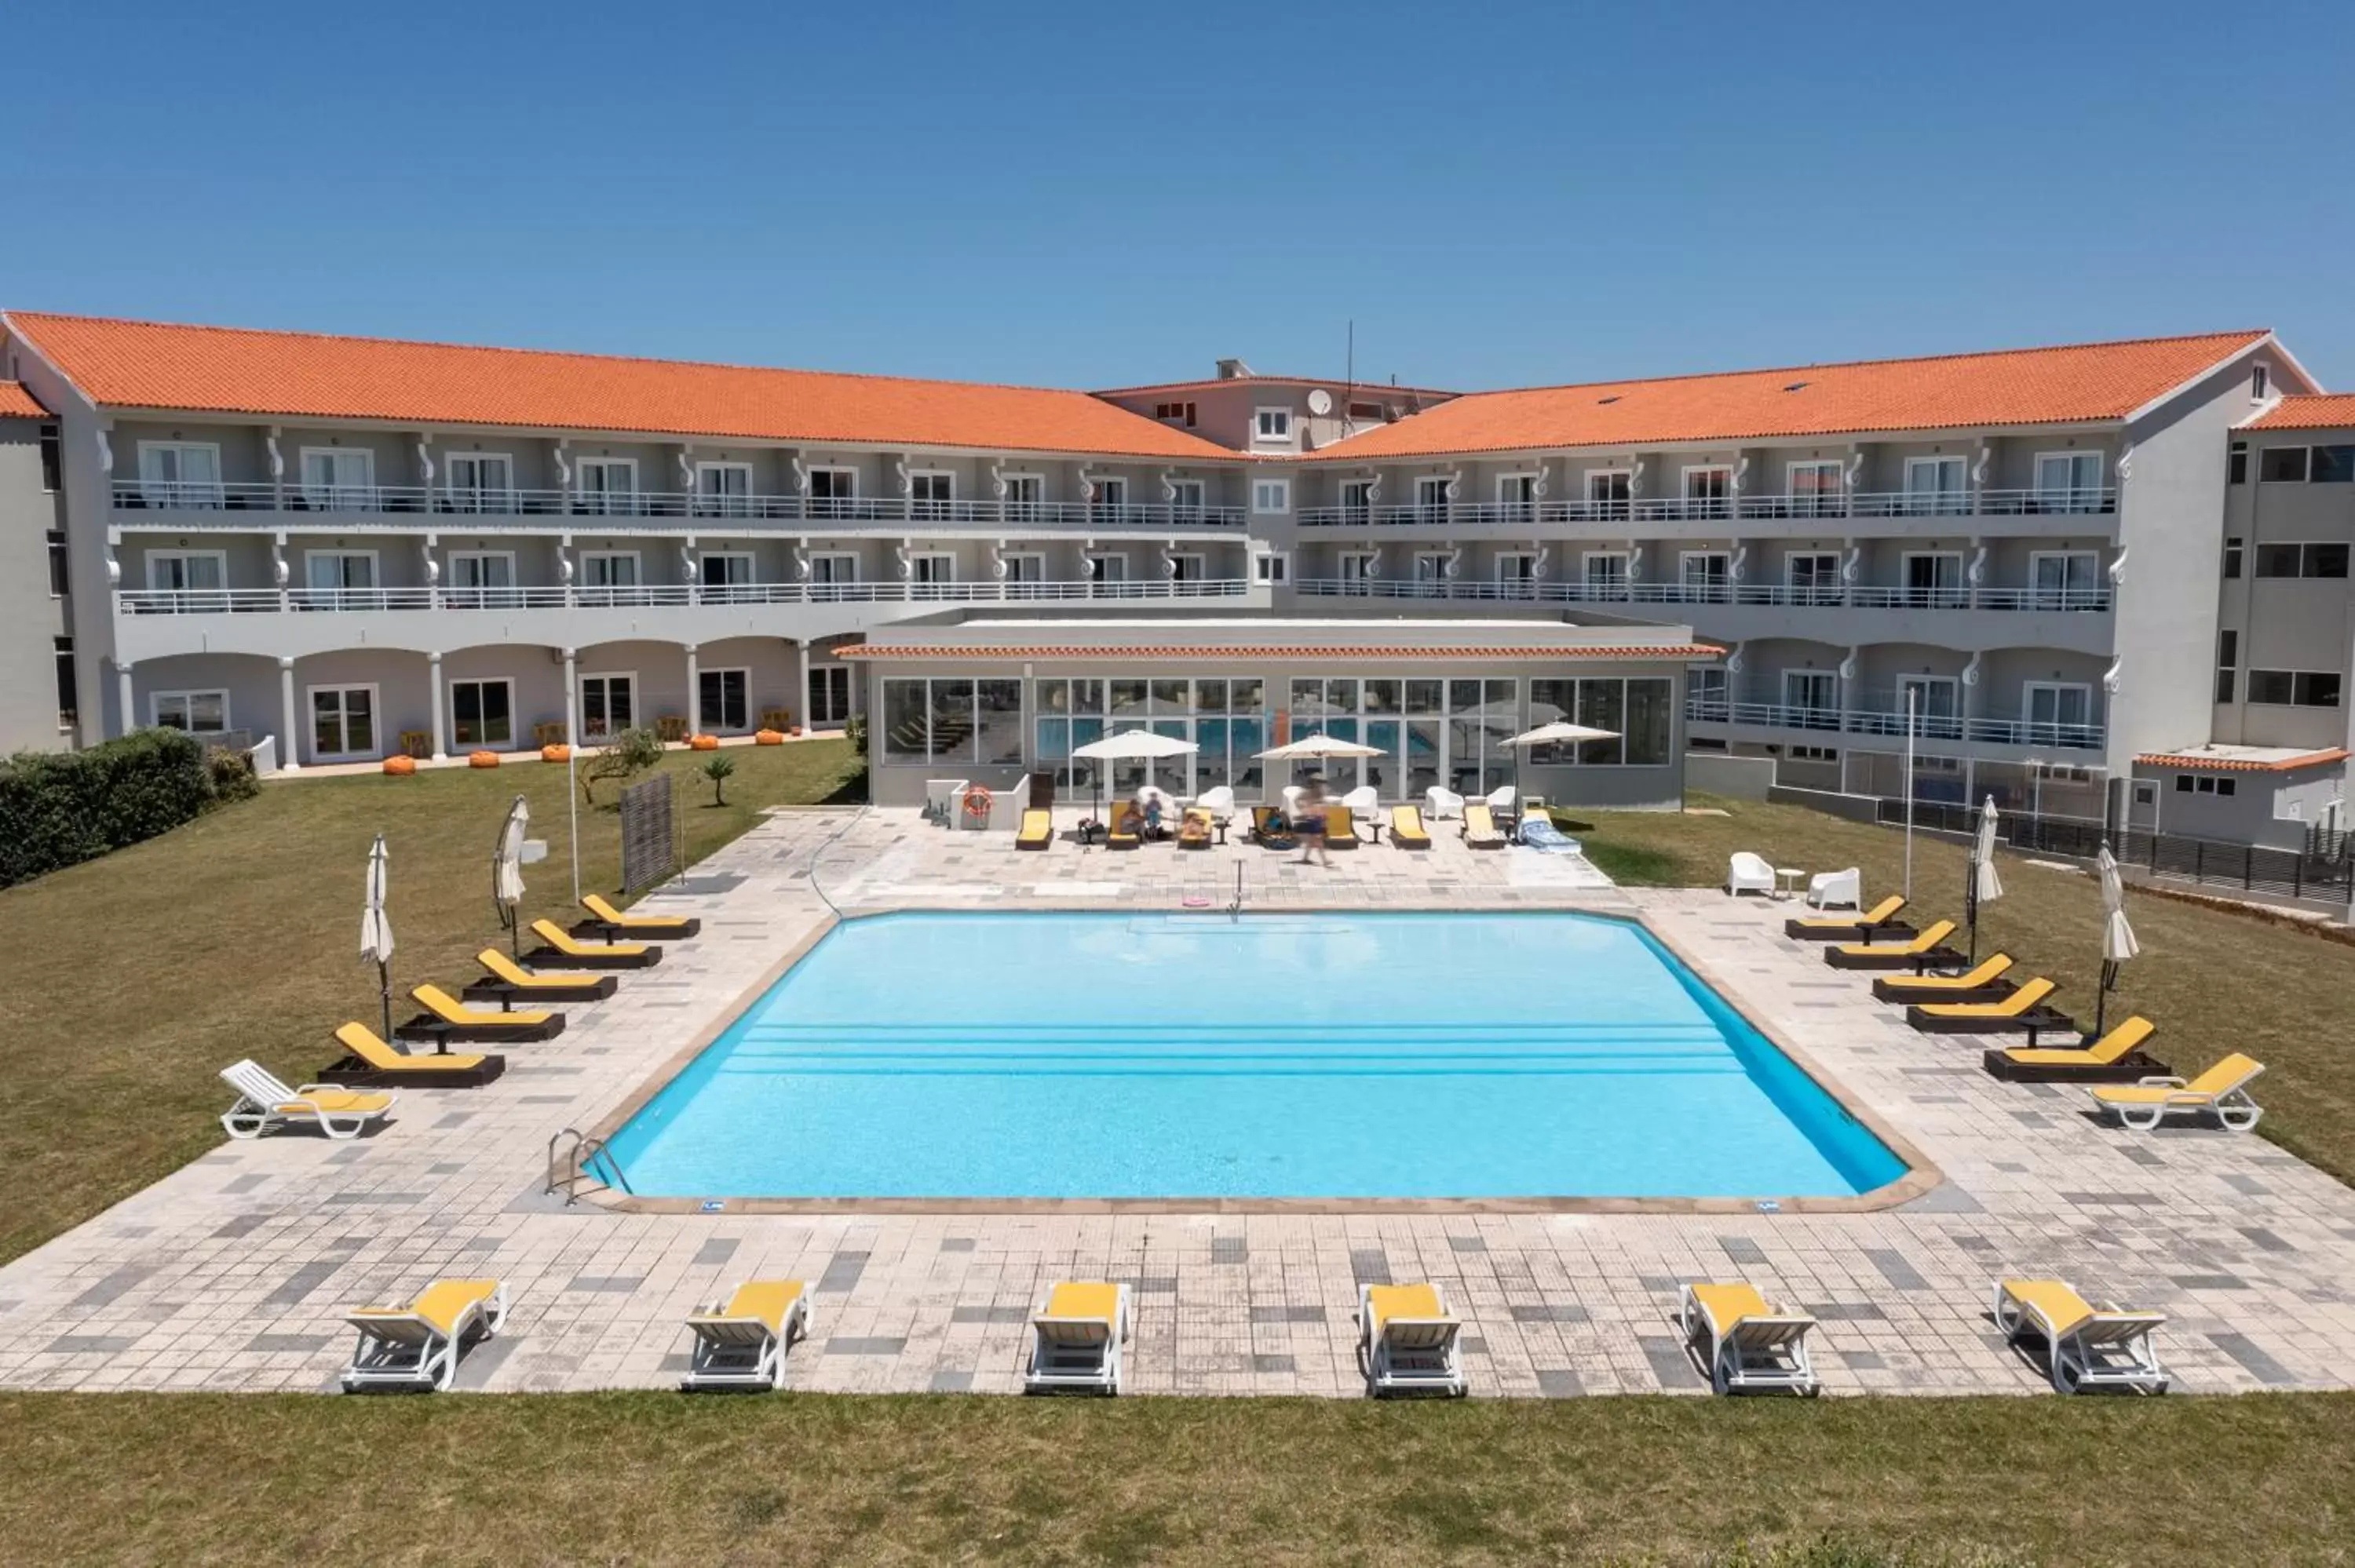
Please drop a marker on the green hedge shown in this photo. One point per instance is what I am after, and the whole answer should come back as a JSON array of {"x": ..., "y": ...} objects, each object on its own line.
[{"x": 57, "y": 808}]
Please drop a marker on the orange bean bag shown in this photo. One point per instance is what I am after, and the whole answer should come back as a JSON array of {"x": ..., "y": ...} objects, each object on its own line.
[
  {"x": 767, "y": 737},
  {"x": 400, "y": 766},
  {"x": 556, "y": 753},
  {"x": 704, "y": 742},
  {"x": 481, "y": 759}
]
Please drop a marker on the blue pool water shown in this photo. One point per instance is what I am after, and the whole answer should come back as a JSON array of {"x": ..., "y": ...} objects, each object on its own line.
[{"x": 1111, "y": 1055}]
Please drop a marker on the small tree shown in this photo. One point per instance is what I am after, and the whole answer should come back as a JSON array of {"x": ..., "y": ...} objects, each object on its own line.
[
  {"x": 630, "y": 753},
  {"x": 717, "y": 768}
]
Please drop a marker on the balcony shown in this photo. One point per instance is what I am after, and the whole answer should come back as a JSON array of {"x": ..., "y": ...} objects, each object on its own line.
[
  {"x": 2091, "y": 501},
  {"x": 416, "y": 500},
  {"x": 1846, "y": 596},
  {"x": 286, "y": 601},
  {"x": 1883, "y": 718}
]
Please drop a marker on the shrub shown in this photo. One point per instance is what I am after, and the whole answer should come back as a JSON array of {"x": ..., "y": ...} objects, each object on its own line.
[
  {"x": 630, "y": 753},
  {"x": 59, "y": 808},
  {"x": 230, "y": 773}
]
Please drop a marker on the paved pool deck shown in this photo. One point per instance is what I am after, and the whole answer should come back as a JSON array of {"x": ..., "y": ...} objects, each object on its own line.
[{"x": 233, "y": 1272}]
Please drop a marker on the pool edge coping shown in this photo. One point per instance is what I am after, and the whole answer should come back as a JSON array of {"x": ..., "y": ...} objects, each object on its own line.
[{"x": 1921, "y": 1174}]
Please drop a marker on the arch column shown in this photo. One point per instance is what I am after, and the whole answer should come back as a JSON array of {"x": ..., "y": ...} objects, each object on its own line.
[
  {"x": 802, "y": 692},
  {"x": 571, "y": 701},
  {"x": 441, "y": 729},
  {"x": 125, "y": 720},
  {"x": 290, "y": 762},
  {"x": 694, "y": 695}
]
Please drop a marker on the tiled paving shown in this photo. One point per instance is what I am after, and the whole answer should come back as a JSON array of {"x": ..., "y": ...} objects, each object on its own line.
[{"x": 233, "y": 1273}]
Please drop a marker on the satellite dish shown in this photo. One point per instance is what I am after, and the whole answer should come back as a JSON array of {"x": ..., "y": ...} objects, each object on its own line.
[{"x": 1320, "y": 402}]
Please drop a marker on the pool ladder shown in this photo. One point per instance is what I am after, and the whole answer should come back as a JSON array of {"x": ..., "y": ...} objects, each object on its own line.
[{"x": 578, "y": 1158}]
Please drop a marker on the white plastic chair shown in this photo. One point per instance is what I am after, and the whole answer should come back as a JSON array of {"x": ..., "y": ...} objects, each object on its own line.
[
  {"x": 1292, "y": 793},
  {"x": 1501, "y": 798},
  {"x": 1442, "y": 804},
  {"x": 1843, "y": 888},
  {"x": 1747, "y": 873},
  {"x": 1219, "y": 802},
  {"x": 1365, "y": 803}
]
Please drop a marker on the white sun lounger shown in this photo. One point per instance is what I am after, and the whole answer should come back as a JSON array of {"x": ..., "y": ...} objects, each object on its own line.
[
  {"x": 740, "y": 1342},
  {"x": 263, "y": 1103},
  {"x": 2086, "y": 1346},
  {"x": 418, "y": 1346},
  {"x": 1075, "y": 1339},
  {"x": 1750, "y": 1345},
  {"x": 1407, "y": 1340}
]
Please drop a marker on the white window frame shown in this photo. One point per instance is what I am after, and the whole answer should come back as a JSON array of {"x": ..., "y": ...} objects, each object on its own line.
[
  {"x": 1272, "y": 566},
  {"x": 1038, "y": 559},
  {"x": 696, "y": 720},
  {"x": 375, "y": 561},
  {"x": 452, "y": 493},
  {"x": 1814, "y": 501},
  {"x": 1017, "y": 507},
  {"x": 514, "y": 724},
  {"x": 1522, "y": 477},
  {"x": 580, "y": 698},
  {"x": 2081, "y": 497},
  {"x": 1524, "y": 581},
  {"x": 1687, "y": 498},
  {"x": 182, "y": 493},
  {"x": 310, "y": 738},
  {"x": 1961, "y": 588},
  {"x": 1942, "y": 498},
  {"x": 1951, "y": 685},
  {"x": 637, "y": 564},
  {"x": 1811, "y": 676},
  {"x": 1363, "y": 504},
  {"x": 850, "y": 695},
  {"x": 1202, "y": 564},
  {"x": 922, "y": 561},
  {"x": 726, "y": 591},
  {"x": 832, "y": 472},
  {"x": 366, "y": 489},
  {"x": 833, "y": 558},
  {"x": 156, "y": 701},
  {"x": 2260, "y": 381},
  {"x": 1358, "y": 566},
  {"x": 1588, "y": 559},
  {"x": 1180, "y": 490},
  {"x": 1431, "y": 492},
  {"x": 507, "y": 556},
  {"x": 1791, "y": 585},
  {"x": 603, "y": 500},
  {"x": 925, "y": 508},
  {"x": 2027, "y": 690},
  {"x": 1264, "y": 490},
  {"x": 154, "y": 556},
  {"x": 703, "y": 504},
  {"x": 1260, "y": 419},
  {"x": 1436, "y": 559},
  {"x": 1094, "y": 561}
]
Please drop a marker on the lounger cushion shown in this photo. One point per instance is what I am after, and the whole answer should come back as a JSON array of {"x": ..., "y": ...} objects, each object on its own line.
[
  {"x": 2063, "y": 1307},
  {"x": 450, "y": 1010},
  {"x": 441, "y": 1305},
  {"x": 610, "y": 916},
  {"x": 1725, "y": 1305},
  {"x": 1091, "y": 1303},
  {"x": 362, "y": 1042},
  {"x": 340, "y": 1102},
  {"x": 767, "y": 1299},
  {"x": 1385, "y": 1302},
  {"x": 1878, "y": 914}
]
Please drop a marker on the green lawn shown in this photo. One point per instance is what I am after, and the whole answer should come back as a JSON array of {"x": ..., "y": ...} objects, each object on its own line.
[
  {"x": 2213, "y": 981},
  {"x": 634, "y": 1477},
  {"x": 141, "y": 975}
]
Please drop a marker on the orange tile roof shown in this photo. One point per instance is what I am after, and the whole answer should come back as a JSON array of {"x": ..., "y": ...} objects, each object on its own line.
[
  {"x": 2018, "y": 387},
  {"x": 1363, "y": 389},
  {"x": 2243, "y": 764},
  {"x": 2323, "y": 410},
  {"x": 1267, "y": 651},
  {"x": 16, "y": 403},
  {"x": 304, "y": 374}
]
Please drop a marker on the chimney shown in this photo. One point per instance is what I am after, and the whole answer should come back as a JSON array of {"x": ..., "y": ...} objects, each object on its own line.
[{"x": 1232, "y": 370}]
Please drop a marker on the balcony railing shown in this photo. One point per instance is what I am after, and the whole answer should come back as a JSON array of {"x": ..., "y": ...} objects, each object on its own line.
[
  {"x": 1694, "y": 509},
  {"x": 272, "y": 601},
  {"x": 1883, "y": 721},
  {"x": 1613, "y": 591},
  {"x": 156, "y": 495}
]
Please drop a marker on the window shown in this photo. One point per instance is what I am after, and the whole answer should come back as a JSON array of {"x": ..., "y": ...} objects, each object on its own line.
[
  {"x": 2261, "y": 382},
  {"x": 1108, "y": 566},
  {"x": 1813, "y": 577},
  {"x": 339, "y": 579},
  {"x": 2233, "y": 555},
  {"x": 1373, "y": 411},
  {"x": 53, "y": 466},
  {"x": 932, "y": 575},
  {"x": 1705, "y": 577},
  {"x": 723, "y": 704},
  {"x": 1815, "y": 488},
  {"x": 2331, "y": 465},
  {"x": 833, "y": 493},
  {"x": 2204, "y": 784},
  {"x": 1270, "y": 495},
  {"x": 481, "y": 714},
  {"x": 61, "y": 578},
  {"x": 1605, "y": 572},
  {"x": 1024, "y": 570},
  {"x": 1272, "y": 424},
  {"x": 2294, "y": 688},
  {"x": 1709, "y": 492},
  {"x": 1609, "y": 492},
  {"x": 1431, "y": 497},
  {"x": 2069, "y": 481},
  {"x": 952, "y": 720},
  {"x": 1111, "y": 502},
  {"x": 481, "y": 579},
  {"x": 1357, "y": 568},
  {"x": 932, "y": 497},
  {"x": 197, "y": 713},
  {"x": 183, "y": 474},
  {"x": 1025, "y": 493},
  {"x": 1813, "y": 754},
  {"x": 830, "y": 572},
  {"x": 1936, "y": 485},
  {"x": 2228, "y": 660},
  {"x": 2059, "y": 712},
  {"x": 829, "y": 695},
  {"x": 1358, "y": 500},
  {"x": 192, "y": 579},
  {"x": 1177, "y": 413},
  {"x": 2304, "y": 560},
  {"x": 1934, "y": 579},
  {"x": 1637, "y": 709},
  {"x": 338, "y": 478},
  {"x": 1516, "y": 497},
  {"x": 69, "y": 704},
  {"x": 479, "y": 482},
  {"x": 607, "y": 485},
  {"x": 2065, "y": 579},
  {"x": 724, "y": 569},
  {"x": 2236, "y": 465},
  {"x": 609, "y": 704},
  {"x": 1274, "y": 568},
  {"x": 1187, "y": 499},
  {"x": 2282, "y": 465},
  {"x": 723, "y": 489},
  {"x": 1814, "y": 697},
  {"x": 1710, "y": 693},
  {"x": 608, "y": 577},
  {"x": 343, "y": 723}
]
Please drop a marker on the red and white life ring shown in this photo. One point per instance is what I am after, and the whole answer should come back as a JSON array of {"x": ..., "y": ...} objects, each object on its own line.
[{"x": 977, "y": 802}]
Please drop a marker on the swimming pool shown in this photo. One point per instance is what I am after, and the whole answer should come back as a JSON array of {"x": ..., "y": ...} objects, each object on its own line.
[{"x": 1330, "y": 1056}]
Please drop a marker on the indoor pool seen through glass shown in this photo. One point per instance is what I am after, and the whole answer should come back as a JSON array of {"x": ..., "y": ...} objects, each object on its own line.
[{"x": 1117, "y": 1055}]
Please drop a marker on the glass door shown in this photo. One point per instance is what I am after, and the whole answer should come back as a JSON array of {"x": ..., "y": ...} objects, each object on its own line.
[
  {"x": 829, "y": 695},
  {"x": 1813, "y": 578},
  {"x": 608, "y": 706},
  {"x": 1936, "y": 705},
  {"x": 1516, "y": 498},
  {"x": 479, "y": 482},
  {"x": 934, "y": 572},
  {"x": 180, "y": 475},
  {"x": 1606, "y": 574},
  {"x": 338, "y": 480},
  {"x": 2066, "y": 580},
  {"x": 723, "y": 489},
  {"x": 1706, "y": 576},
  {"x": 481, "y": 714},
  {"x": 481, "y": 581},
  {"x": 1610, "y": 493},
  {"x": 1933, "y": 581},
  {"x": 833, "y": 492},
  {"x": 2059, "y": 715},
  {"x": 1025, "y": 497},
  {"x": 1431, "y": 573},
  {"x": 343, "y": 723},
  {"x": 608, "y": 577},
  {"x": 1358, "y": 502},
  {"x": 1185, "y": 499},
  {"x": 1430, "y": 501},
  {"x": 194, "y": 580},
  {"x": 932, "y": 497},
  {"x": 723, "y": 703},
  {"x": 340, "y": 580},
  {"x": 1709, "y": 492},
  {"x": 1816, "y": 488},
  {"x": 609, "y": 486},
  {"x": 1111, "y": 504},
  {"x": 1516, "y": 575},
  {"x": 2069, "y": 481},
  {"x": 1813, "y": 698},
  {"x": 1935, "y": 486}
]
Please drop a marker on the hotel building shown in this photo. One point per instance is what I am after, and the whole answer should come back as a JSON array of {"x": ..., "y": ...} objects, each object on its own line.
[{"x": 2089, "y": 574}]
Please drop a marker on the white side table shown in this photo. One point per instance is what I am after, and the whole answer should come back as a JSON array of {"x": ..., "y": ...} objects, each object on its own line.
[{"x": 1790, "y": 875}]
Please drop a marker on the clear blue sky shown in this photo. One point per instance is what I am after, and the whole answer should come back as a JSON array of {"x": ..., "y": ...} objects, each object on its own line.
[{"x": 1111, "y": 194}]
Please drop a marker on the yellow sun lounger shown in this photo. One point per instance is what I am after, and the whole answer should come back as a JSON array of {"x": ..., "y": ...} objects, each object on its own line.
[
  {"x": 1750, "y": 1345},
  {"x": 740, "y": 1342},
  {"x": 1925, "y": 949},
  {"x": 447, "y": 1018},
  {"x": 2023, "y": 1008},
  {"x": 1880, "y": 919},
  {"x": 1480, "y": 830},
  {"x": 506, "y": 981},
  {"x": 1407, "y": 1340},
  {"x": 1987, "y": 978},
  {"x": 1037, "y": 830},
  {"x": 370, "y": 1062},
  {"x": 604, "y": 918},
  {"x": 419, "y": 1345},
  {"x": 2086, "y": 1346},
  {"x": 2222, "y": 1089},
  {"x": 1407, "y": 830},
  {"x": 563, "y": 947},
  {"x": 1126, "y": 831},
  {"x": 2116, "y": 1057},
  {"x": 1075, "y": 1339},
  {"x": 263, "y": 1102}
]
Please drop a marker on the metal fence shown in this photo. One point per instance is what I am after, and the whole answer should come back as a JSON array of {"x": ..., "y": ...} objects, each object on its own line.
[{"x": 2209, "y": 862}]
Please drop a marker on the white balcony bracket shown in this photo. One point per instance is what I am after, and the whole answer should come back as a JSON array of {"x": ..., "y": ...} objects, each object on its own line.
[
  {"x": 1537, "y": 484},
  {"x": 1168, "y": 487},
  {"x": 425, "y": 460},
  {"x": 1455, "y": 489},
  {"x": 1976, "y": 573},
  {"x": 686, "y": 568},
  {"x": 801, "y": 563},
  {"x": 432, "y": 575},
  {"x": 2118, "y": 570},
  {"x": 563, "y": 476},
  {"x": 1734, "y": 660},
  {"x": 1979, "y": 469},
  {"x": 2126, "y": 467},
  {"x": 1374, "y": 563},
  {"x": 1456, "y": 563},
  {"x": 1088, "y": 485},
  {"x": 1741, "y": 475},
  {"x": 1848, "y": 567},
  {"x": 1634, "y": 476},
  {"x": 1169, "y": 562},
  {"x": 1971, "y": 669},
  {"x": 801, "y": 477},
  {"x": 907, "y": 485},
  {"x": 277, "y": 458},
  {"x": 686, "y": 470},
  {"x": 1847, "y": 666},
  {"x": 1739, "y": 568},
  {"x": 105, "y": 453},
  {"x": 1634, "y": 561},
  {"x": 1542, "y": 555},
  {"x": 114, "y": 562},
  {"x": 902, "y": 559},
  {"x": 1854, "y": 472},
  {"x": 997, "y": 559},
  {"x": 997, "y": 481},
  {"x": 1373, "y": 487},
  {"x": 278, "y": 562},
  {"x": 2113, "y": 677}
]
